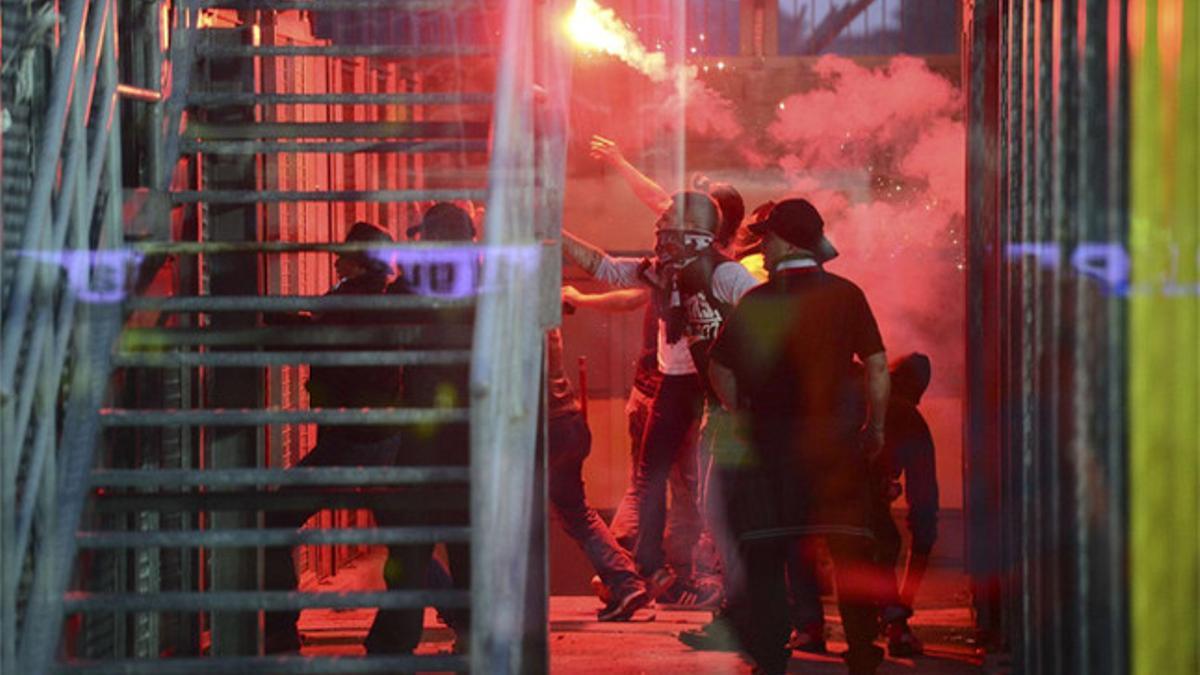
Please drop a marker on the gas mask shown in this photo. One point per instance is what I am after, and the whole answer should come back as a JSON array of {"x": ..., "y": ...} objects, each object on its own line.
[{"x": 678, "y": 247}]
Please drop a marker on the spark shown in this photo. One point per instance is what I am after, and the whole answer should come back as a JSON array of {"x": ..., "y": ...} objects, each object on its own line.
[{"x": 597, "y": 28}]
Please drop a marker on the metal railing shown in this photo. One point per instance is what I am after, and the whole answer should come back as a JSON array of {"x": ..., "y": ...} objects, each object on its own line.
[
  {"x": 77, "y": 170},
  {"x": 57, "y": 330}
]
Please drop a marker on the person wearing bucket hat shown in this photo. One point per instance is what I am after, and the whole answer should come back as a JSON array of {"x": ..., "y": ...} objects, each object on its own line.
[
  {"x": 797, "y": 222},
  {"x": 779, "y": 365}
]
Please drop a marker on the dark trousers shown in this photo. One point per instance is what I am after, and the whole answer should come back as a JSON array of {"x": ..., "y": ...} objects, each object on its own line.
[
  {"x": 886, "y": 554},
  {"x": 683, "y": 515},
  {"x": 395, "y": 630},
  {"x": 804, "y": 584},
  {"x": 761, "y": 615},
  {"x": 570, "y": 442},
  {"x": 672, "y": 426}
]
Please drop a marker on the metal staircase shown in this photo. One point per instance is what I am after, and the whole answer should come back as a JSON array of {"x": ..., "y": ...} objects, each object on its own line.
[{"x": 157, "y": 451}]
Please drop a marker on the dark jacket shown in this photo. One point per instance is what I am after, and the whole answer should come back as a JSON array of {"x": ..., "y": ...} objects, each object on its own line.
[
  {"x": 908, "y": 448},
  {"x": 343, "y": 386},
  {"x": 436, "y": 386}
]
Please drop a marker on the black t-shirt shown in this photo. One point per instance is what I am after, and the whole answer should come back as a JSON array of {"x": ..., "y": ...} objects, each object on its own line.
[{"x": 791, "y": 345}]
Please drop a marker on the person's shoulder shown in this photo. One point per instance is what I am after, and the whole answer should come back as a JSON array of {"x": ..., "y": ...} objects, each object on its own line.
[
  {"x": 845, "y": 285},
  {"x": 761, "y": 294}
]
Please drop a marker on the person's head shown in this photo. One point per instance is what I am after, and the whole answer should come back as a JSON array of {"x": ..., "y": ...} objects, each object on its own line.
[
  {"x": 748, "y": 241},
  {"x": 444, "y": 221},
  {"x": 686, "y": 227},
  {"x": 350, "y": 265},
  {"x": 793, "y": 227},
  {"x": 733, "y": 209},
  {"x": 910, "y": 376}
]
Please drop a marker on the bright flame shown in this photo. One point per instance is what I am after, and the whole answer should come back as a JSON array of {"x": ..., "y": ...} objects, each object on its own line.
[{"x": 598, "y": 28}]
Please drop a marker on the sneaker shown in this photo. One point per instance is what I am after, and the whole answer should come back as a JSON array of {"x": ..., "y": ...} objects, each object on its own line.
[
  {"x": 810, "y": 640},
  {"x": 624, "y": 607},
  {"x": 901, "y": 642},
  {"x": 660, "y": 582},
  {"x": 601, "y": 589},
  {"x": 705, "y": 595},
  {"x": 717, "y": 636}
]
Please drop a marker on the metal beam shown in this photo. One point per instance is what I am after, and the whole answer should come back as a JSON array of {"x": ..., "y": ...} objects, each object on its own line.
[
  {"x": 249, "y": 538},
  {"x": 262, "y": 600}
]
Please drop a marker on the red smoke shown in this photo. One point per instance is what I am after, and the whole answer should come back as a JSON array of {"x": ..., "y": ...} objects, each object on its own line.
[{"x": 882, "y": 154}]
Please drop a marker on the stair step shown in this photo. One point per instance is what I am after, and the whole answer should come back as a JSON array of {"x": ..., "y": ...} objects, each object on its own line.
[
  {"x": 285, "y": 336},
  {"x": 258, "y": 665},
  {"x": 264, "y": 359},
  {"x": 256, "y": 130},
  {"x": 218, "y": 417},
  {"x": 427, "y": 251},
  {"x": 383, "y": 51},
  {"x": 241, "y": 538},
  {"x": 211, "y": 98},
  {"x": 281, "y": 196},
  {"x": 292, "y": 303},
  {"x": 347, "y": 5},
  {"x": 192, "y": 145},
  {"x": 355, "y": 476},
  {"x": 444, "y": 498},
  {"x": 230, "y": 601}
]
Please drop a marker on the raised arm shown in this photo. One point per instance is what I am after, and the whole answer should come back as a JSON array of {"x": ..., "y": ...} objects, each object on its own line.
[
  {"x": 622, "y": 300},
  {"x": 582, "y": 253},
  {"x": 647, "y": 191},
  {"x": 619, "y": 272}
]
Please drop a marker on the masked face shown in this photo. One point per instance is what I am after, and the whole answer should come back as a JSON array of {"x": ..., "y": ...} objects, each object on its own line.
[{"x": 680, "y": 246}]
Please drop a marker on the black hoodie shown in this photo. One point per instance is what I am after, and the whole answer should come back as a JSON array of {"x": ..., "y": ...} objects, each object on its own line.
[{"x": 908, "y": 446}]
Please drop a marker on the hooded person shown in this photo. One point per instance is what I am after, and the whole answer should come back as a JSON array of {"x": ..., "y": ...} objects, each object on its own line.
[
  {"x": 909, "y": 452},
  {"x": 435, "y": 272},
  {"x": 362, "y": 272}
]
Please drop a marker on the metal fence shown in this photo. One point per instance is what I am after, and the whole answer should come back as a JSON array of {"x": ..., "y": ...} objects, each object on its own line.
[{"x": 1046, "y": 438}]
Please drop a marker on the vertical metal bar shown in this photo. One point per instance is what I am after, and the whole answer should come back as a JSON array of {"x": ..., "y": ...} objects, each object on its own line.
[
  {"x": 154, "y": 81},
  {"x": 505, "y": 369},
  {"x": 1112, "y": 55},
  {"x": 1047, "y": 452},
  {"x": 1073, "y": 359},
  {"x": 981, "y": 494},
  {"x": 182, "y": 42}
]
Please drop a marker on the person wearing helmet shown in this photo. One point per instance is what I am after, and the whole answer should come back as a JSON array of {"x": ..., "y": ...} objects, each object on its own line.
[{"x": 693, "y": 286}]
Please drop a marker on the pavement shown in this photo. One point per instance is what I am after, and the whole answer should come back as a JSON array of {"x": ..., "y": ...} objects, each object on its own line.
[{"x": 581, "y": 645}]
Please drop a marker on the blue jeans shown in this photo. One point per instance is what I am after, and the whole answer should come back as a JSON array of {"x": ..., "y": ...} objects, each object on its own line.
[
  {"x": 670, "y": 433},
  {"x": 570, "y": 442},
  {"x": 683, "y": 517}
]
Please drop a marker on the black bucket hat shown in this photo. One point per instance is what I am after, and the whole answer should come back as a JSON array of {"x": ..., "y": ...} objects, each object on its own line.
[{"x": 797, "y": 222}]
